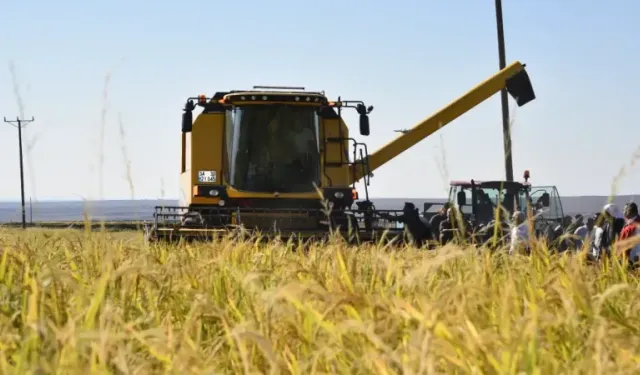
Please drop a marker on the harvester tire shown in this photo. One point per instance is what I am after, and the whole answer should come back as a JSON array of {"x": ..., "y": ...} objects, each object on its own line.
[{"x": 192, "y": 218}]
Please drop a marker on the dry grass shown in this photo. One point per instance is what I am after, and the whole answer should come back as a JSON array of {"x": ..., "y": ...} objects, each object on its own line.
[{"x": 80, "y": 302}]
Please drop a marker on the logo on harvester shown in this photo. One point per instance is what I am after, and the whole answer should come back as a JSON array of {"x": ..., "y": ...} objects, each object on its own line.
[{"x": 207, "y": 176}]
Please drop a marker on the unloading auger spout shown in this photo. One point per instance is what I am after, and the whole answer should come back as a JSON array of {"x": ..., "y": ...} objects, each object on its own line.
[{"x": 513, "y": 77}]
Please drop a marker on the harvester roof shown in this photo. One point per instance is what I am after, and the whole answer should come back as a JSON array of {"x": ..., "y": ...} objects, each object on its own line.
[{"x": 274, "y": 94}]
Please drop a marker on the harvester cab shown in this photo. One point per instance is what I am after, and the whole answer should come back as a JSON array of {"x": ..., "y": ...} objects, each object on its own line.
[
  {"x": 276, "y": 158},
  {"x": 270, "y": 158}
]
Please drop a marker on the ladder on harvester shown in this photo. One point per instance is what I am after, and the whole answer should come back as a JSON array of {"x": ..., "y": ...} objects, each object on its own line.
[{"x": 359, "y": 150}]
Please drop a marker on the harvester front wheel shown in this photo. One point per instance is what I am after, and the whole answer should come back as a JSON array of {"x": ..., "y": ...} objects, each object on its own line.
[{"x": 192, "y": 218}]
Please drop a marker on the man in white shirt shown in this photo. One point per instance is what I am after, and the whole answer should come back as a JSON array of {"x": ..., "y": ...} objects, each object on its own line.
[
  {"x": 582, "y": 232},
  {"x": 519, "y": 233},
  {"x": 596, "y": 235}
]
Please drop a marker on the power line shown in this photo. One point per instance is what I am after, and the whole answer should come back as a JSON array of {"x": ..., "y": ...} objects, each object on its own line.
[{"x": 19, "y": 123}]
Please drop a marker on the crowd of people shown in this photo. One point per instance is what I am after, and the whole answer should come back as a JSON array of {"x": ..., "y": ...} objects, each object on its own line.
[{"x": 606, "y": 232}]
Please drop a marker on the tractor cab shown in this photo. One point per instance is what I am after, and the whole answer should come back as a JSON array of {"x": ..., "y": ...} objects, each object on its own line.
[
  {"x": 546, "y": 203},
  {"x": 478, "y": 200}
]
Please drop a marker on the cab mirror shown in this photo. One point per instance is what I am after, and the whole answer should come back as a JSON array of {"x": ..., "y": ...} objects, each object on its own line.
[
  {"x": 364, "y": 124},
  {"x": 546, "y": 200},
  {"x": 187, "y": 121}
]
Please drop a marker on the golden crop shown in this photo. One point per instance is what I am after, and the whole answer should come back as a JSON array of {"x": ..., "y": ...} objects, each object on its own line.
[{"x": 76, "y": 302}]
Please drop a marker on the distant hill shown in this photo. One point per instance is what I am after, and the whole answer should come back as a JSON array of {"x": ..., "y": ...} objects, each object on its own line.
[{"x": 143, "y": 209}]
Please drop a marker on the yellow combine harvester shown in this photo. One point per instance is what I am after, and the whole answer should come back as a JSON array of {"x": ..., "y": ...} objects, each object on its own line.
[{"x": 272, "y": 158}]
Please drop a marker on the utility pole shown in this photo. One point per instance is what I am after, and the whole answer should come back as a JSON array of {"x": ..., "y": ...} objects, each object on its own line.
[
  {"x": 506, "y": 131},
  {"x": 19, "y": 123}
]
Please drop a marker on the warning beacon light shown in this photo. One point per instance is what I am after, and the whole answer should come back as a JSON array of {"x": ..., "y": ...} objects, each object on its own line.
[{"x": 526, "y": 175}]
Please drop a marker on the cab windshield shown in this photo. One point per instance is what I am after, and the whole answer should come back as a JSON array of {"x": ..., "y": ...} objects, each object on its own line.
[
  {"x": 510, "y": 196},
  {"x": 273, "y": 148}
]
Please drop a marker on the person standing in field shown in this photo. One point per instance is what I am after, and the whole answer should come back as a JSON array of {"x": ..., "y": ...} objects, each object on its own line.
[
  {"x": 596, "y": 238},
  {"x": 449, "y": 227},
  {"x": 609, "y": 225},
  {"x": 561, "y": 242},
  {"x": 438, "y": 218},
  {"x": 614, "y": 222},
  {"x": 582, "y": 232},
  {"x": 577, "y": 222},
  {"x": 629, "y": 231},
  {"x": 410, "y": 217},
  {"x": 519, "y": 239}
]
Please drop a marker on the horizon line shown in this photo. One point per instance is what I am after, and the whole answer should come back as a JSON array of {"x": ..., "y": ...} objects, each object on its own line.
[{"x": 58, "y": 200}]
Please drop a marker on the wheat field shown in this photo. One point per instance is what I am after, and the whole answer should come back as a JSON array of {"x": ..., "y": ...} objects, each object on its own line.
[{"x": 79, "y": 302}]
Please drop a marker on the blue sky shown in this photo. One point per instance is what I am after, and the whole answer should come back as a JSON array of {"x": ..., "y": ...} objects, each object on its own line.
[{"x": 406, "y": 58}]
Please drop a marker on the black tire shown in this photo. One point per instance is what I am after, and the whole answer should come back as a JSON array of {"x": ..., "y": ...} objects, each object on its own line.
[{"x": 192, "y": 218}]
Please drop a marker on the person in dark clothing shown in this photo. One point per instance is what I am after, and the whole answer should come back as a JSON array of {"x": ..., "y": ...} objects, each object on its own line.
[
  {"x": 484, "y": 209},
  {"x": 562, "y": 242},
  {"x": 446, "y": 230},
  {"x": 569, "y": 232},
  {"x": 578, "y": 221},
  {"x": 438, "y": 218},
  {"x": 614, "y": 223},
  {"x": 411, "y": 219},
  {"x": 559, "y": 229},
  {"x": 452, "y": 227}
]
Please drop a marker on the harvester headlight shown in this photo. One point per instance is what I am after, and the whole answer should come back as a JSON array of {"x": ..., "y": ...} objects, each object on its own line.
[
  {"x": 338, "y": 195},
  {"x": 253, "y": 97},
  {"x": 264, "y": 97},
  {"x": 297, "y": 98},
  {"x": 308, "y": 99},
  {"x": 221, "y": 202},
  {"x": 214, "y": 193},
  {"x": 243, "y": 97}
]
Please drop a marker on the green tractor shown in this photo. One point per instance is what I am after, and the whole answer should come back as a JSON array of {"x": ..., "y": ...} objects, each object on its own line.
[{"x": 478, "y": 202}]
